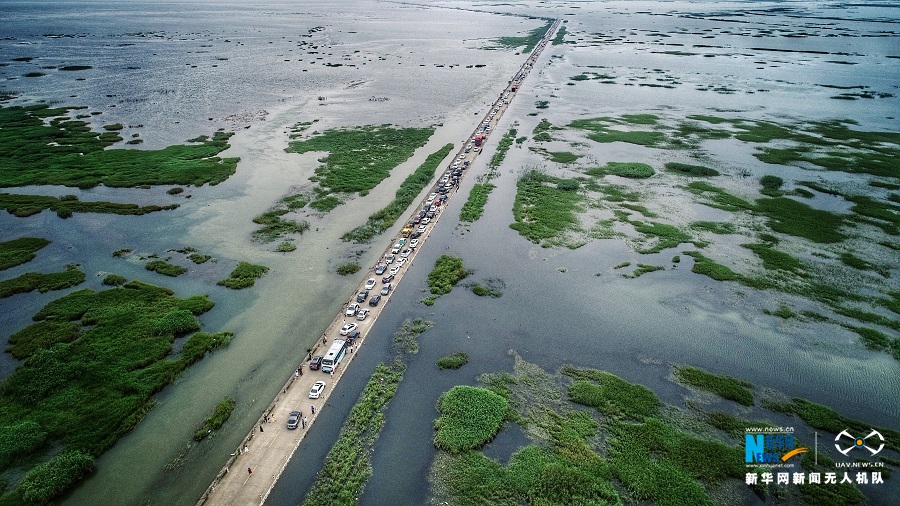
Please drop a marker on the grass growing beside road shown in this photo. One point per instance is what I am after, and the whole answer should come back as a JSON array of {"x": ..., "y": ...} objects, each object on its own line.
[
  {"x": 473, "y": 209},
  {"x": 358, "y": 159},
  {"x": 93, "y": 381},
  {"x": 41, "y": 145},
  {"x": 20, "y": 251},
  {"x": 348, "y": 465},
  {"x": 528, "y": 41},
  {"x": 385, "y": 218}
]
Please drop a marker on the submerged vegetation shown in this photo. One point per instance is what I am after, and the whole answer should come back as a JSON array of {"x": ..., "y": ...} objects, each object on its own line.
[
  {"x": 544, "y": 208},
  {"x": 20, "y": 251},
  {"x": 348, "y": 268},
  {"x": 244, "y": 276},
  {"x": 385, "y": 218},
  {"x": 473, "y": 209},
  {"x": 526, "y": 42},
  {"x": 41, "y": 145},
  {"x": 93, "y": 361},
  {"x": 275, "y": 227},
  {"x": 216, "y": 420},
  {"x": 453, "y": 360},
  {"x": 470, "y": 418},
  {"x": 165, "y": 268},
  {"x": 723, "y": 386},
  {"x": 358, "y": 159},
  {"x": 23, "y": 206},
  {"x": 348, "y": 465},
  {"x": 448, "y": 270},
  {"x": 632, "y": 170}
]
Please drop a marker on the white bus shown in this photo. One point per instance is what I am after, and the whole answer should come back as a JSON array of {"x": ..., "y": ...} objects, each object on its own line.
[{"x": 335, "y": 355}]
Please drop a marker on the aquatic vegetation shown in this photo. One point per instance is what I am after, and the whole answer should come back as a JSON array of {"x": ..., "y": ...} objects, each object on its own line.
[
  {"x": 23, "y": 206},
  {"x": 20, "y": 251},
  {"x": 541, "y": 131},
  {"x": 472, "y": 210},
  {"x": 348, "y": 465},
  {"x": 716, "y": 197},
  {"x": 348, "y": 268},
  {"x": 611, "y": 395},
  {"x": 543, "y": 210},
  {"x": 560, "y": 36},
  {"x": 715, "y": 227},
  {"x": 448, "y": 271},
  {"x": 470, "y": 418},
  {"x": 114, "y": 280},
  {"x": 601, "y": 132},
  {"x": 41, "y": 282},
  {"x": 197, "y": 258},
  {"x": 244, "y": 276},
  {"x": 502, "y": 148},
  {"x": 453, "y": 360},
  {"x": 773, "y": 259},
  {"x": 633, "y": 170},
  {"x": 82, "y": 393},
  {"x": 691, "y": 170},
  {"x": 798, "y": 219},
  {"x": 486, "y": 291},
  {"x": 526, "y": 42},
  {"x": 165, "y": 268},
  {"x": 385, "y": 218},
  {"x": 216, "y": 420},
  {"x": 274, "y": 226},
  {"x": 664, "y": 236},
  {"x": 723, "y": 386},
  {"x": 644, "y": 269},
  {"x": 358, "y": 159},
  {"x": 66, "y": 152}
]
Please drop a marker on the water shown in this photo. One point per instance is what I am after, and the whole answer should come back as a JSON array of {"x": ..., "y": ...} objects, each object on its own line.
[{"x": 204, "y": 65}]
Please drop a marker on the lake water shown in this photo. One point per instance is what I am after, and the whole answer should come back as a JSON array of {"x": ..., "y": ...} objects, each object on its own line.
[{"x": 181, "y": 69}]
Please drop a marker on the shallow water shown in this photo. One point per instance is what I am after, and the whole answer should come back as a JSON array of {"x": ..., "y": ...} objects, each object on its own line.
[{"x": 631, "y": 327}]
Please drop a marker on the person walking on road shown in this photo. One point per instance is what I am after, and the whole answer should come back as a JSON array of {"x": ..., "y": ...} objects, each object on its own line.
[
  {"x": 249, "y": 471},
  {"x": 313, "y": 409}
]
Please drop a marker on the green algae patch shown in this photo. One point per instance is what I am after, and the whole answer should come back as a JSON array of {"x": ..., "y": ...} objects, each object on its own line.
[
  {"x": 42, "y": 282},
  {"x": 448, "y": 271},
  {"x": 453, "y": 360},
  {"x": 632, "y": 170},
  {"x": 723, "y": 386},
  {"x": 165, "y": 268},
  {"x": 244, "y": 276},
  {"x": 544, "y": 208},
  {"x": 62, "y": 151},
  {"x": 23, "y": 206},
  {"x": 358, "y": 159},
  {"x": 470, "y": 418},
  {"x": 20, "y": 251},
  {"x": 385, "y": 218},
  {"x": 93, "y": 379},
  {"x": 216, "y": 419}
]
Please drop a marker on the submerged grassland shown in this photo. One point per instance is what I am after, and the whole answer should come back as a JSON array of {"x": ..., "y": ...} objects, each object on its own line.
[
  {"x": 20, "y": 251},
  {"x": 842, "y": 259},
  {"x": 595, "y": 438},
  {"x": 93, "y": 361}
]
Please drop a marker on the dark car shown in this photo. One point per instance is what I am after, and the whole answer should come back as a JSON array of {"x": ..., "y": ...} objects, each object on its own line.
[
  {"x": 416, "y": 235},
  {"x": 362, "y": 296},
  {"x": 293, "y": 420},
  {"x": 375, "y": 300},
  {"x": 315, "y": 363},
  {"x": 380, "y": 268},
  {"x": 351, "y": 337},
  {"x": 417, "y": 219},
  {"x": 388, "y": 278}
]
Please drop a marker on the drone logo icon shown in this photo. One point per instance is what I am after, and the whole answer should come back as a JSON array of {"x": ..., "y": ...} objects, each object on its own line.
[{"x": 858, "y": 442}]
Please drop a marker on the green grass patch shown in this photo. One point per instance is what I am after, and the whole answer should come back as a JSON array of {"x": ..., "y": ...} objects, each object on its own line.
[
  {"x": 644, "y": 269},
  {"x": 20, "y": 251},
  {"x": 691, "y": 170},
  {"x": 358, "y": 159},
  {"x": 197, "y": 258},
  {"x": 385, "y": 218},
  {"x": 42, "y": 146},
  {"x": 541, "y": 132},
  {"x": 275, "y": 227},
  {"x": 610, "y": 394},
  {"x": 502, "y": 148},
  {"x": 718, "y": 198},
  {"x": 526, "y": 42},
  {"x": 23, "y": 206},
  {"x": 600, "y": 131},
  {"x": 723, "y": 386},
  {"x": 244, "y": 276},
  {"x": 94, "y": 379},
  {"x": 348, "y": 268},
  {"x": 470, "y": 418},
  {"x": 114, "y": 280},
  {"x": 564, "y": 157},
  {"x": 453, "y": 360},
  {"x": 661, "y": 235},
  {"x": 165, "y": 268},
  {"x": 773, "y": 259},
  {"x": 448, "y": 270},
  {"x": 798, "y": 219},
  {"x": 715, "y": 227},
  {"x": 485, "y": 291},
  {"x": 560, "y": 36},
  {"x": 633, "y": 170},
  {"x": 824, "y": 418},
  {"x": 544, "y": 208},
  {"x": 41, "y": 282},
  {"x": 216, "y": 419},
  {"x": 473, "y": 209}
]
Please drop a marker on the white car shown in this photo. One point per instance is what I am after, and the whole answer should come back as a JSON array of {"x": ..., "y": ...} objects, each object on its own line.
[
  {"x": 394, "y": 270},
  {"x": 426, "y": 221},
  {"x": 401, "y": 261},
  {"x": 370, "y": 284},
  {"x": 362, "y": 314},
  {"x": 413, "y": 243},
  {"x": 316, "y": 391},
  {"x": 405, "y": 253},
  {"x": 421, "y": 230},
  {"x": 352, "y": 309},
  {"x": 432, "y": 195},
  {"x": 348, "y": 328}
]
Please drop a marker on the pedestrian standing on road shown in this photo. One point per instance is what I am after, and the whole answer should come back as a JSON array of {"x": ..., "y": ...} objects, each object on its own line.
[
  {"x": 261, "y": 429},
  {"x": 332, "y": 373},
  {"x": 303, "y": 423},
  {"x": 313, "y": 409},
  {"x": 249, "y": 471}
]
